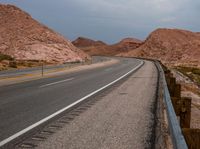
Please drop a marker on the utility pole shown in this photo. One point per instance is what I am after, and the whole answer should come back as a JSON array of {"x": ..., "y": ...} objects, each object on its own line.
[{"x": 42, "y": 68}]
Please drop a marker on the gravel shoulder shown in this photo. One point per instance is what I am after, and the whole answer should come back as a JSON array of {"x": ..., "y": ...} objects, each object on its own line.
[{"x": 121, "y": 119}]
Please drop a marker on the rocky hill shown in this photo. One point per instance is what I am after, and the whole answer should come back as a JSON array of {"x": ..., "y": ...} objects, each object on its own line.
[
  {"x": 86, "y": 42},
  {"x": 23, "y": 38},
  {"x": 127, "y": 44},
  {"x": 171, "y": 46},
  {"x": 100, "y": 48}
]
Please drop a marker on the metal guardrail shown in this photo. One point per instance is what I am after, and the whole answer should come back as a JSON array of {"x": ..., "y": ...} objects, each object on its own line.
[{"x": 178, "y": 139}]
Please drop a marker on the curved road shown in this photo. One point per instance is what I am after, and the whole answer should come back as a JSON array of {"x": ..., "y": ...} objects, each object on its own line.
[{"x": 23, "y": 104}]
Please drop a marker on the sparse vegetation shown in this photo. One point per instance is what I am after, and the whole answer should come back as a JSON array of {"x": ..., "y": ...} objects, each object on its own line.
[
  {"x": 29, "y": 63},
  {"x": 190, "y": 88},
  {"x": 191, "y": 72},
  {"x": 13, "y": 64},
  {"x": 7, "y": 62},
  {"x": 5, "y": 57}
]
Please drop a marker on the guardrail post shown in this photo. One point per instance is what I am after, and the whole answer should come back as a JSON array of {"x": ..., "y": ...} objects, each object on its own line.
[
  {"x": 172, "y": 86},
  {"x": 168, "y": 80},
  {"x": 192, "y": 137},
  {"x": 177, "y": 92},
  {"x": 42, "y": 69},
  {"x": 185, "y": 114},
  {"x": 168, "y": 76},
  {"x": 167, "y": 71}
]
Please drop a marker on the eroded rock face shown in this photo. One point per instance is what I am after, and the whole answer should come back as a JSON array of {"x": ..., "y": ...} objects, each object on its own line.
[
  {"x": 100, "y": 48},
  {"x": 24, "y": 38},
  {"x": 171, "y": 46}
]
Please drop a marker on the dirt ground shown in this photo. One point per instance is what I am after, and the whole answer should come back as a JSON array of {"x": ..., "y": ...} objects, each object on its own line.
[{"x": 190, "y": 89}]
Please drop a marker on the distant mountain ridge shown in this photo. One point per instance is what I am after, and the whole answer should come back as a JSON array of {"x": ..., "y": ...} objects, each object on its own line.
[{"x": 23, "y": 38}]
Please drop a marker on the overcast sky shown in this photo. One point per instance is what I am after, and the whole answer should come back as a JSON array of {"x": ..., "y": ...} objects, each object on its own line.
[{"x": 112, "y": 20}]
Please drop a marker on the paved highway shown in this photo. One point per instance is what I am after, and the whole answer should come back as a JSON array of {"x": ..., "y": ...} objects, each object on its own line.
[
  {"x": 120, "y": 119},
  {"x": 24, "y": 104}
]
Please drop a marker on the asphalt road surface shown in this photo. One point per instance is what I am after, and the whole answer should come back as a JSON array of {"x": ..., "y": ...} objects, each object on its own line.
[
  {"x": 120, "y": 119},
  {"x": 24, "y": 104}
]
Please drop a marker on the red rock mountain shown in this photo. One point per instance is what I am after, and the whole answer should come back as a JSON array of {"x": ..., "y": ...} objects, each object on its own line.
[
  {"x": 23, "y": 38},
  {"x": 100, "y": 48},
  {"x": 171, "y": 46},
  {"x": 86, "y": 42},
  {"x": 127, "y": 44}
]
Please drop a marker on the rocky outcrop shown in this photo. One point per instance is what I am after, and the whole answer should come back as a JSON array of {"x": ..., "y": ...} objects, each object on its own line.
[{"x": 23, "y": 38}]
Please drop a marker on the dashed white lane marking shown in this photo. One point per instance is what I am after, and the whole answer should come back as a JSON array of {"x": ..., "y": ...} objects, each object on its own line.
[
  {"x": 5, "y": 141},
  {"x": 46, "y": 85}
]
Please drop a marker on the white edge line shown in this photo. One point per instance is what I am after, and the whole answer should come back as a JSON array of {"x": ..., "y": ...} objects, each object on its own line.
[
  {"x": 56, "y": 82},
  {"x": 5, "y": 141}
]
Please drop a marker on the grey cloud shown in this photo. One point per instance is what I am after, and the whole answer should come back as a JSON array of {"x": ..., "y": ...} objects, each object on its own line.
[{"x": 111, "y": 20}]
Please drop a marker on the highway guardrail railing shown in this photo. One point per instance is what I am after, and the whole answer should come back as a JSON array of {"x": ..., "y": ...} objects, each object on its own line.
[
  {"x": 183, "y": 135},
  {"x": 178, "y": 139}
]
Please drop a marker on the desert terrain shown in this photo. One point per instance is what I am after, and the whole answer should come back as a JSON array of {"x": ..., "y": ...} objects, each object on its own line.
[{"x": 88, "y": 93}]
